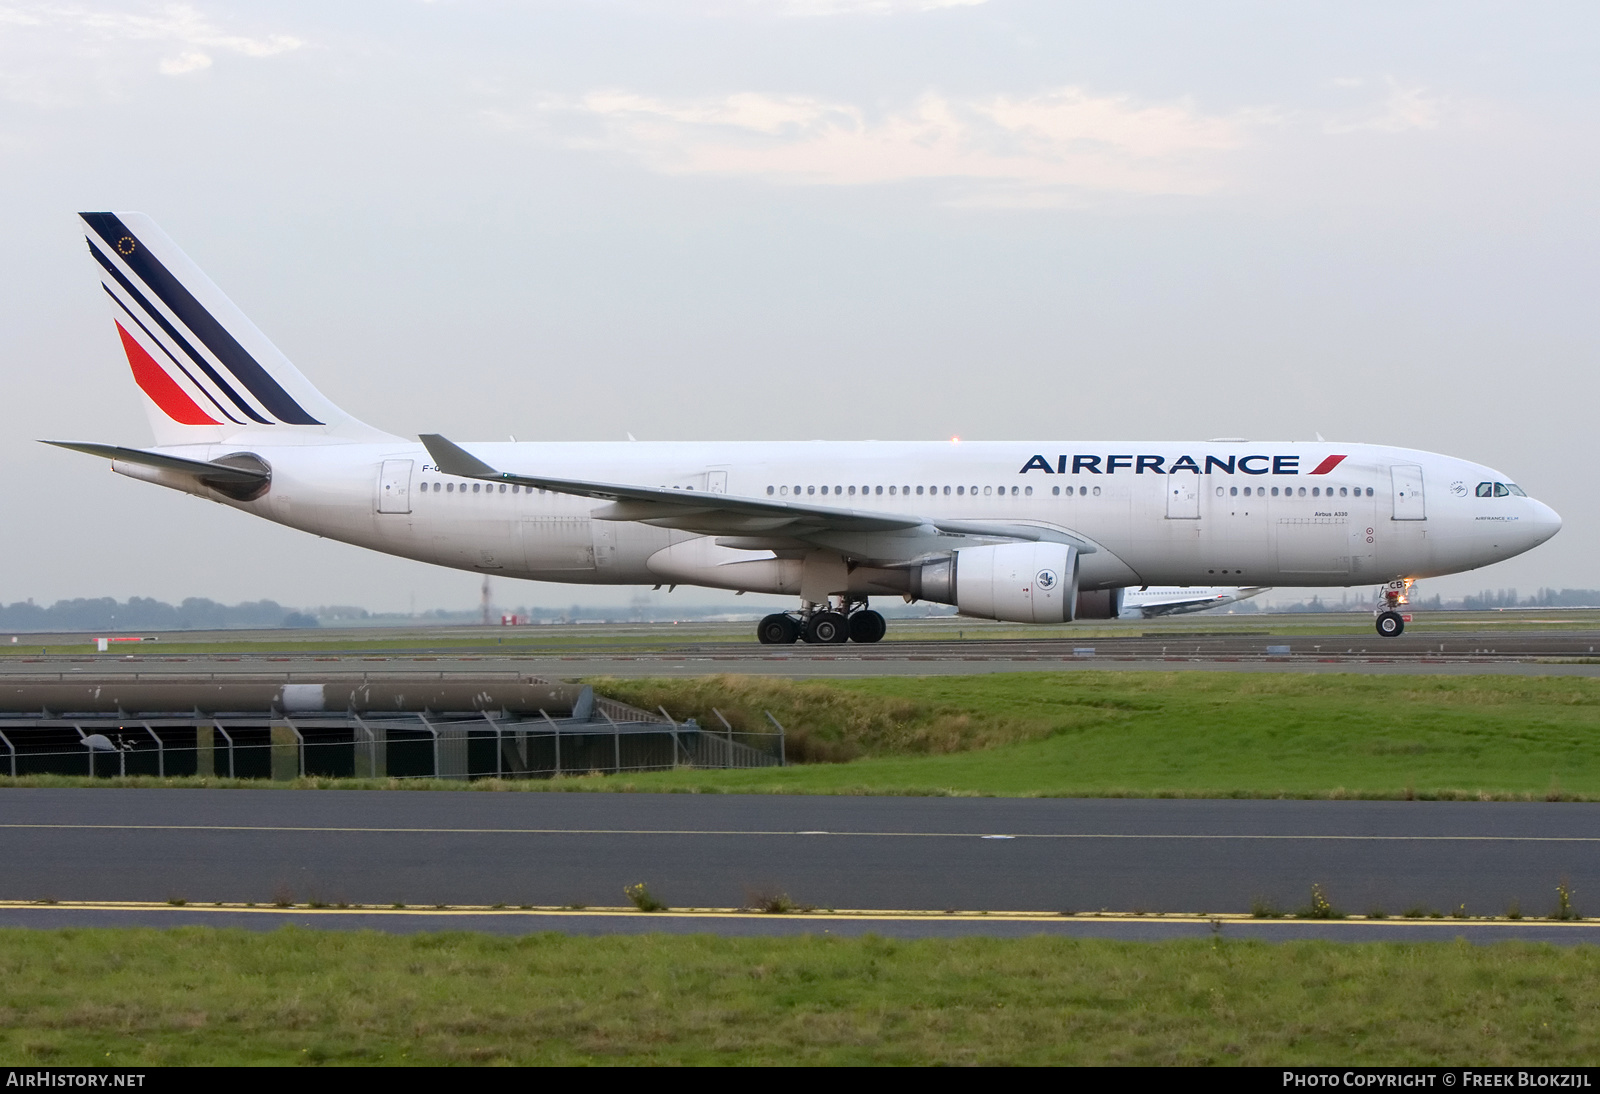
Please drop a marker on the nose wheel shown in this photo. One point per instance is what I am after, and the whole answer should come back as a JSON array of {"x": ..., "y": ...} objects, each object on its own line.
[{"x": 1391, "y": 599}]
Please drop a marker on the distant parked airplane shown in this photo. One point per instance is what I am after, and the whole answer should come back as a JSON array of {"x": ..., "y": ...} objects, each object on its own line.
[{"x": 1149, "y": 602}]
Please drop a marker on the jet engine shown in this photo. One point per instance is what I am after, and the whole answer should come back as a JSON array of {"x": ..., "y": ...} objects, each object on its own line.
[{"x": 1015, "y": 582}]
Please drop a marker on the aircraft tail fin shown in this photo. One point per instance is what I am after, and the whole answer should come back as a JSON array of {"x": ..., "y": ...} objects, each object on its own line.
[{"x": 208, "y": 374}]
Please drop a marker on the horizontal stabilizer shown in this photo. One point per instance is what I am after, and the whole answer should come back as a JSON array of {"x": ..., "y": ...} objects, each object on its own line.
[{"x": 211, "y": 472}]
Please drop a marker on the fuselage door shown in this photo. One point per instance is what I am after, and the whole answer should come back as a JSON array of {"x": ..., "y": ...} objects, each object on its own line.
[
  {"x": 716, "y": 482},
  {"x": 394, "y": 487},
  {"x": 1183, "y": 497},
  {"x": 1409, "y": 502}
]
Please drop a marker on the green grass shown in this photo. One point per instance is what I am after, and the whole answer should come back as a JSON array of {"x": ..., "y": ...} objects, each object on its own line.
[
  {"x": 1192, "y": 734},
  {"x": 203, "y": 996}
]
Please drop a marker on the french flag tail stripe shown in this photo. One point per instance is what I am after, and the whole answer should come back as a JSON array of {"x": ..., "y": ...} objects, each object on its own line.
[
  {"x": 187, "y": 375},
  {"x": 212, "y": 334},
  {"x": 1327, "y": 465},
  {"x": 172, "y": 332},
  {"x": 162, "y": 388}
]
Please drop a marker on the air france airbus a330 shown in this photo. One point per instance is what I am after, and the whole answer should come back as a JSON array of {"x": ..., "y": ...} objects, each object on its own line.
[{"x": 1026, "y": 532}]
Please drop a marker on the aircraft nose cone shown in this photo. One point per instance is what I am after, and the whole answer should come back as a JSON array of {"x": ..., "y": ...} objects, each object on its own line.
[{"x": 1546, "y": 522}]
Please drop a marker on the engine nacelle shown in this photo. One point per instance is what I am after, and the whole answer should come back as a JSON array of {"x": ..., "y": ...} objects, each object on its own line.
[{"x": 1016, "y": 582}]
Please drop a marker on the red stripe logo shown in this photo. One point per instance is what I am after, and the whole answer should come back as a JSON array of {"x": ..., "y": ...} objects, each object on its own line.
[
  {"x": 1327, "y": 465},
  {"x": 162, "y": 389}
]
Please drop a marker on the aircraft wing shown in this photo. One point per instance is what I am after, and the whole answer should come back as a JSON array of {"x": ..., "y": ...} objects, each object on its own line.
[
  {"x": 753, "y": 521},
  {"x": 1180, "y": 607}
]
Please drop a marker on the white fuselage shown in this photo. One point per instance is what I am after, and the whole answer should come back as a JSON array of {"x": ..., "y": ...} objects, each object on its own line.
[{"x": 1254, "y": 514}]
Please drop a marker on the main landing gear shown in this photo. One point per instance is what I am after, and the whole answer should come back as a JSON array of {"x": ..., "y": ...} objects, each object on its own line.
[
  {"x": 823, "y": 624},
  {"x": 1391, "y": 624}
]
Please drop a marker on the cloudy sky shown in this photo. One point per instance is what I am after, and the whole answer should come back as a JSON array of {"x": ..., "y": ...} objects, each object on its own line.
[{"x": 754, "y": 219}]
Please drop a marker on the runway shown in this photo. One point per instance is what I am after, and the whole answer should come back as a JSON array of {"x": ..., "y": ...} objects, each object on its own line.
[{"x": 905, "y": 855}]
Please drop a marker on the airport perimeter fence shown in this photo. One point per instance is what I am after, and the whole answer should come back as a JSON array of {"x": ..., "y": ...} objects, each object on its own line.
[{"x": 395, "y": 746}]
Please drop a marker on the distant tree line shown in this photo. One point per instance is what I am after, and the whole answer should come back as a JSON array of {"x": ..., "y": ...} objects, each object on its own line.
[
  {"x": 1485, "y": 601},
  {"x": 144, "y": 614},
  {"x": 1544, "y": 598}
]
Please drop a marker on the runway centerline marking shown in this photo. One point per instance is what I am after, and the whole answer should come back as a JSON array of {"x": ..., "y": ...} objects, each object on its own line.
[{"x": 354, "y": 830}]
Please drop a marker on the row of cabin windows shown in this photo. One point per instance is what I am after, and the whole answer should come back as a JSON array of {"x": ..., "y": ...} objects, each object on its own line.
[
  {"x": 1290, "y": 491},
  {"x": 1485, "y": 490},
  {"x": 1027, "y": 491},
  {"x": 477, "y": 487},
  {"x": 842, "y": 491}
]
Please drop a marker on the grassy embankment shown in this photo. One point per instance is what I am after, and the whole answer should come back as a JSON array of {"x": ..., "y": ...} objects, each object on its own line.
[
  {"x": 1136, "y": 734},
  {"x": 203, "y": 996},
  {"x": 1191, "y": 734}
]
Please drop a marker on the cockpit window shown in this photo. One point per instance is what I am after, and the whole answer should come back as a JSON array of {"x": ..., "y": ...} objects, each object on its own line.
[
  {"x": 1500, "y": 490},
  {"x": 1515, "y": 489},
  {"x": 1486, "y": 490}
]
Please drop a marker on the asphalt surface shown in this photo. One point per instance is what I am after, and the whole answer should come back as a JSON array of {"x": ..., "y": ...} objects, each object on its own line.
[{"x": 553, "y": 849}]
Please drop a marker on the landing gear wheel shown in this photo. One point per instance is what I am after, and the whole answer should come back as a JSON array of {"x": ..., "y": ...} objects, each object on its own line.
[
  {"x": 827, "y": 629},
  {"x": 1390, "y": 624},
  {"x": 778, "y": 630},
  {"x": 867, "y": 626}
]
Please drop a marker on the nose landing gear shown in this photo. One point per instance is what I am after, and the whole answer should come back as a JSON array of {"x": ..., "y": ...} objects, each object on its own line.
[
  {"x": 1393, "y": 597},
  {"x": 823, "y": 624}
]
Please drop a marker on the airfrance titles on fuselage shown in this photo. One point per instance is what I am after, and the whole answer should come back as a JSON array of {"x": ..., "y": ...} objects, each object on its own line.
[{"x": 1157, "y": 465}]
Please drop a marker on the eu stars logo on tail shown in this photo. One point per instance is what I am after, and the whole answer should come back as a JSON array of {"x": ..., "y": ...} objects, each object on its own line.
[{"x": 207, "y": 373}]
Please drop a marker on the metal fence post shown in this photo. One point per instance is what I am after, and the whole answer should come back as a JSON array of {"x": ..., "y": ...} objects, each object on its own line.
[
  {"x": 557, "y": 727},
  {"x": 226, "y": 737},
  {"x": 161, "y": 751},
  {"x": 616, "y": 744},
  {"x": 783, "y": 760},
  {"x": 427, "y": 725},
  {"x": 729, "y": 727},
  {"x": 674, "y": 726},
  {"x": 13, "y": 750},
  {"x": 499, "y": 745}
]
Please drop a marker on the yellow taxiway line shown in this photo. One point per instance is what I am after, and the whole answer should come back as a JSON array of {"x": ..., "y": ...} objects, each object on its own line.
[{"x": 835, "y": 914}]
